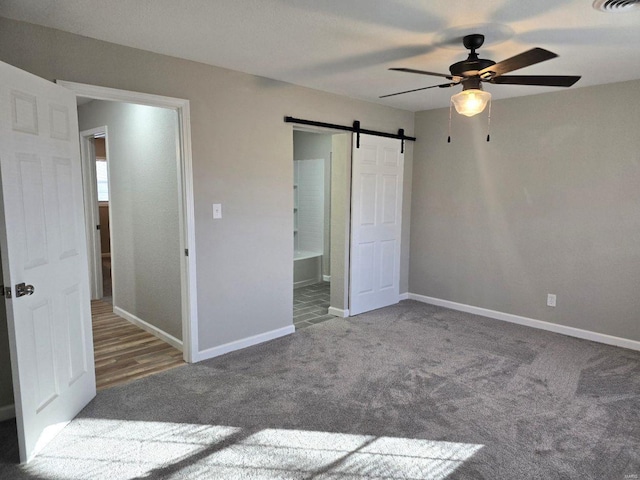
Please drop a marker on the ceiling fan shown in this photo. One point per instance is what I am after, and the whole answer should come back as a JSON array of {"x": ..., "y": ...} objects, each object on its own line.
[{"x": 473, "y": 71}]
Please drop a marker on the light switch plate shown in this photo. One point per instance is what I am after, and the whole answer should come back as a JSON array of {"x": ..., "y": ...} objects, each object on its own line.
[{"x": 217, "y": 211}]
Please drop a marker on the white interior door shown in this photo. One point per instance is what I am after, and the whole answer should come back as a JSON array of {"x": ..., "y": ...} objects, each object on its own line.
[
  {"x": 42, "y": 244},
  {"x": 376, "y": 223}
]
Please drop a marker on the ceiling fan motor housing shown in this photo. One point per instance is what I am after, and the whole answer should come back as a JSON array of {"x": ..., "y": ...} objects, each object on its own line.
[{"x": 470, "y": 67}]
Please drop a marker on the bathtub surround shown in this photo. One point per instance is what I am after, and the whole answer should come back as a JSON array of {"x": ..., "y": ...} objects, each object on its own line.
[
  {"x": 308, "y": 206},
  {"x": 308, "y": 221},
  {"x": 307, "y": 268},
  {"x": 313, "y": 194}
]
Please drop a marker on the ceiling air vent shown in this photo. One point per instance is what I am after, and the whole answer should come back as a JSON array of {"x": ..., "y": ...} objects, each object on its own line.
[{"x": 616, "y": 6}]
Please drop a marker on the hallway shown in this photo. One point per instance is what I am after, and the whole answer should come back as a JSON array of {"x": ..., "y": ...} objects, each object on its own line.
[{"x": 124, "y": 352}]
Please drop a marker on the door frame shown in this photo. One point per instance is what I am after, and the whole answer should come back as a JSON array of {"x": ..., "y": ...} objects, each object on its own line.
[{"x": 185, "y": 197}]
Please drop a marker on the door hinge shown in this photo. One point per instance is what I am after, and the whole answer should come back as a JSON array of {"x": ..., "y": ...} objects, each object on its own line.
[
  {"x": 97, "y": 227},
  {"x": 186, "y": 252},
  {"x": 6, "y": 291}
]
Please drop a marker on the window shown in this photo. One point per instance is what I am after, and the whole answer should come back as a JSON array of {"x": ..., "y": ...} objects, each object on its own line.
[{"x": 103, "y": 180}]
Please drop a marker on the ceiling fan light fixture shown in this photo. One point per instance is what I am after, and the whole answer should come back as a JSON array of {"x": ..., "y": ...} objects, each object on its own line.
[{"x": 470, "y": 102}]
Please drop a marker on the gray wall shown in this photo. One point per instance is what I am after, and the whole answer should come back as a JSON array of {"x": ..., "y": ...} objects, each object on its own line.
[
  {"x": 340, "y": 218},
  {"x": 550, "y": 205},
  {"x": 312, "y": 146},
  {"x": 145, "y": 225},
  {"x": 6, "y": 385},
  {"x": 242, "y": 152}
]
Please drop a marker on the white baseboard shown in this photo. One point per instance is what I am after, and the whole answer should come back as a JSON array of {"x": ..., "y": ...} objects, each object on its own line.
[
  {"x": 243, "y": 343},
  {"x": 404, "y": 296},
  {"x": 7, "y": 412},
  {"x": 326, "y": 278},
  {"x": 337, "y": 312},
  {"x": 147, "y": 327},
  {"x": 531, "y": 322}
]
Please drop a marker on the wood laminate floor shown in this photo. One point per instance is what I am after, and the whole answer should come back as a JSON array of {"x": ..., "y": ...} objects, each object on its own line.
[{"x": 124, "y": 352}]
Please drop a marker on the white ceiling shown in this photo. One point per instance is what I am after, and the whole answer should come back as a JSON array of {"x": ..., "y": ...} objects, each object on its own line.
[{"x": 346, "y": 46}]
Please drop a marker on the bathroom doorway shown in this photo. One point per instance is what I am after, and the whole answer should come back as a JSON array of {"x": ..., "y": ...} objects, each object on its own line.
[{"x": 320, "y": 191}]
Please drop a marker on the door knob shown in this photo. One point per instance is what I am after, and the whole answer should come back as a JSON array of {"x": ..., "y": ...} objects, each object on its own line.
[{"x": 22, "y": 290}]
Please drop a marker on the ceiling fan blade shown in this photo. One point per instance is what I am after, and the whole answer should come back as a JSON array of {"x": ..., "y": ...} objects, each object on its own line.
[
  {"x": 530, "y": 57},
  {"x": 423, "y": 72},
  {"x": 540, "y": 80},
  {"x": 444, "y": 85}
]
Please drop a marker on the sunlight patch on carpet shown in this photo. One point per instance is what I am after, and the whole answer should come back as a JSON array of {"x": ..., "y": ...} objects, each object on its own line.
[{"x": 122, "y": 450}]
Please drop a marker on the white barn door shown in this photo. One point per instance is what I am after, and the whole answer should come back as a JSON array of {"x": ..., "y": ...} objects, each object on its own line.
[
  {"x": 44, "y": 259},
  {"x": 376, "y": 223}
]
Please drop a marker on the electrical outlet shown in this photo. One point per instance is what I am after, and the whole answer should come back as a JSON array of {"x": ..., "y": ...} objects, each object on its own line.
[{"x": 551, "y": 300}]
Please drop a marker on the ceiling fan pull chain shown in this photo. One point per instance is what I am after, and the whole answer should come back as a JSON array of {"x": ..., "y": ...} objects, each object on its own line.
[
  {"x": 489, "y": 123},
  {"x": 450, "y": 107}
]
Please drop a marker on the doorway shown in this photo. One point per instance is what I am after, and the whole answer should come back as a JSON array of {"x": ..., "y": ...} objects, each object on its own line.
[
  {"x": 320, "y": 218},
  {"x": 366, "y": 185},
  {"x": 132, "y": 163},
  {"x": 312, "y": 227},
  {"x": 142, "y": 279},
  {"x": 95, "y": 170},
  {"x": 123, "y": 349},
  {"x": 102, "y": 186}
]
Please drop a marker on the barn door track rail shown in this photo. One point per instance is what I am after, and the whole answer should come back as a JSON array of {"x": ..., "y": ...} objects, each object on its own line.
[{"x": 355, "y": 128}]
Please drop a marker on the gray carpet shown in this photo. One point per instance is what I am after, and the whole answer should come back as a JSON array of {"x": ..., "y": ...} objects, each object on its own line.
[{"x": 406, "y": 392}]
